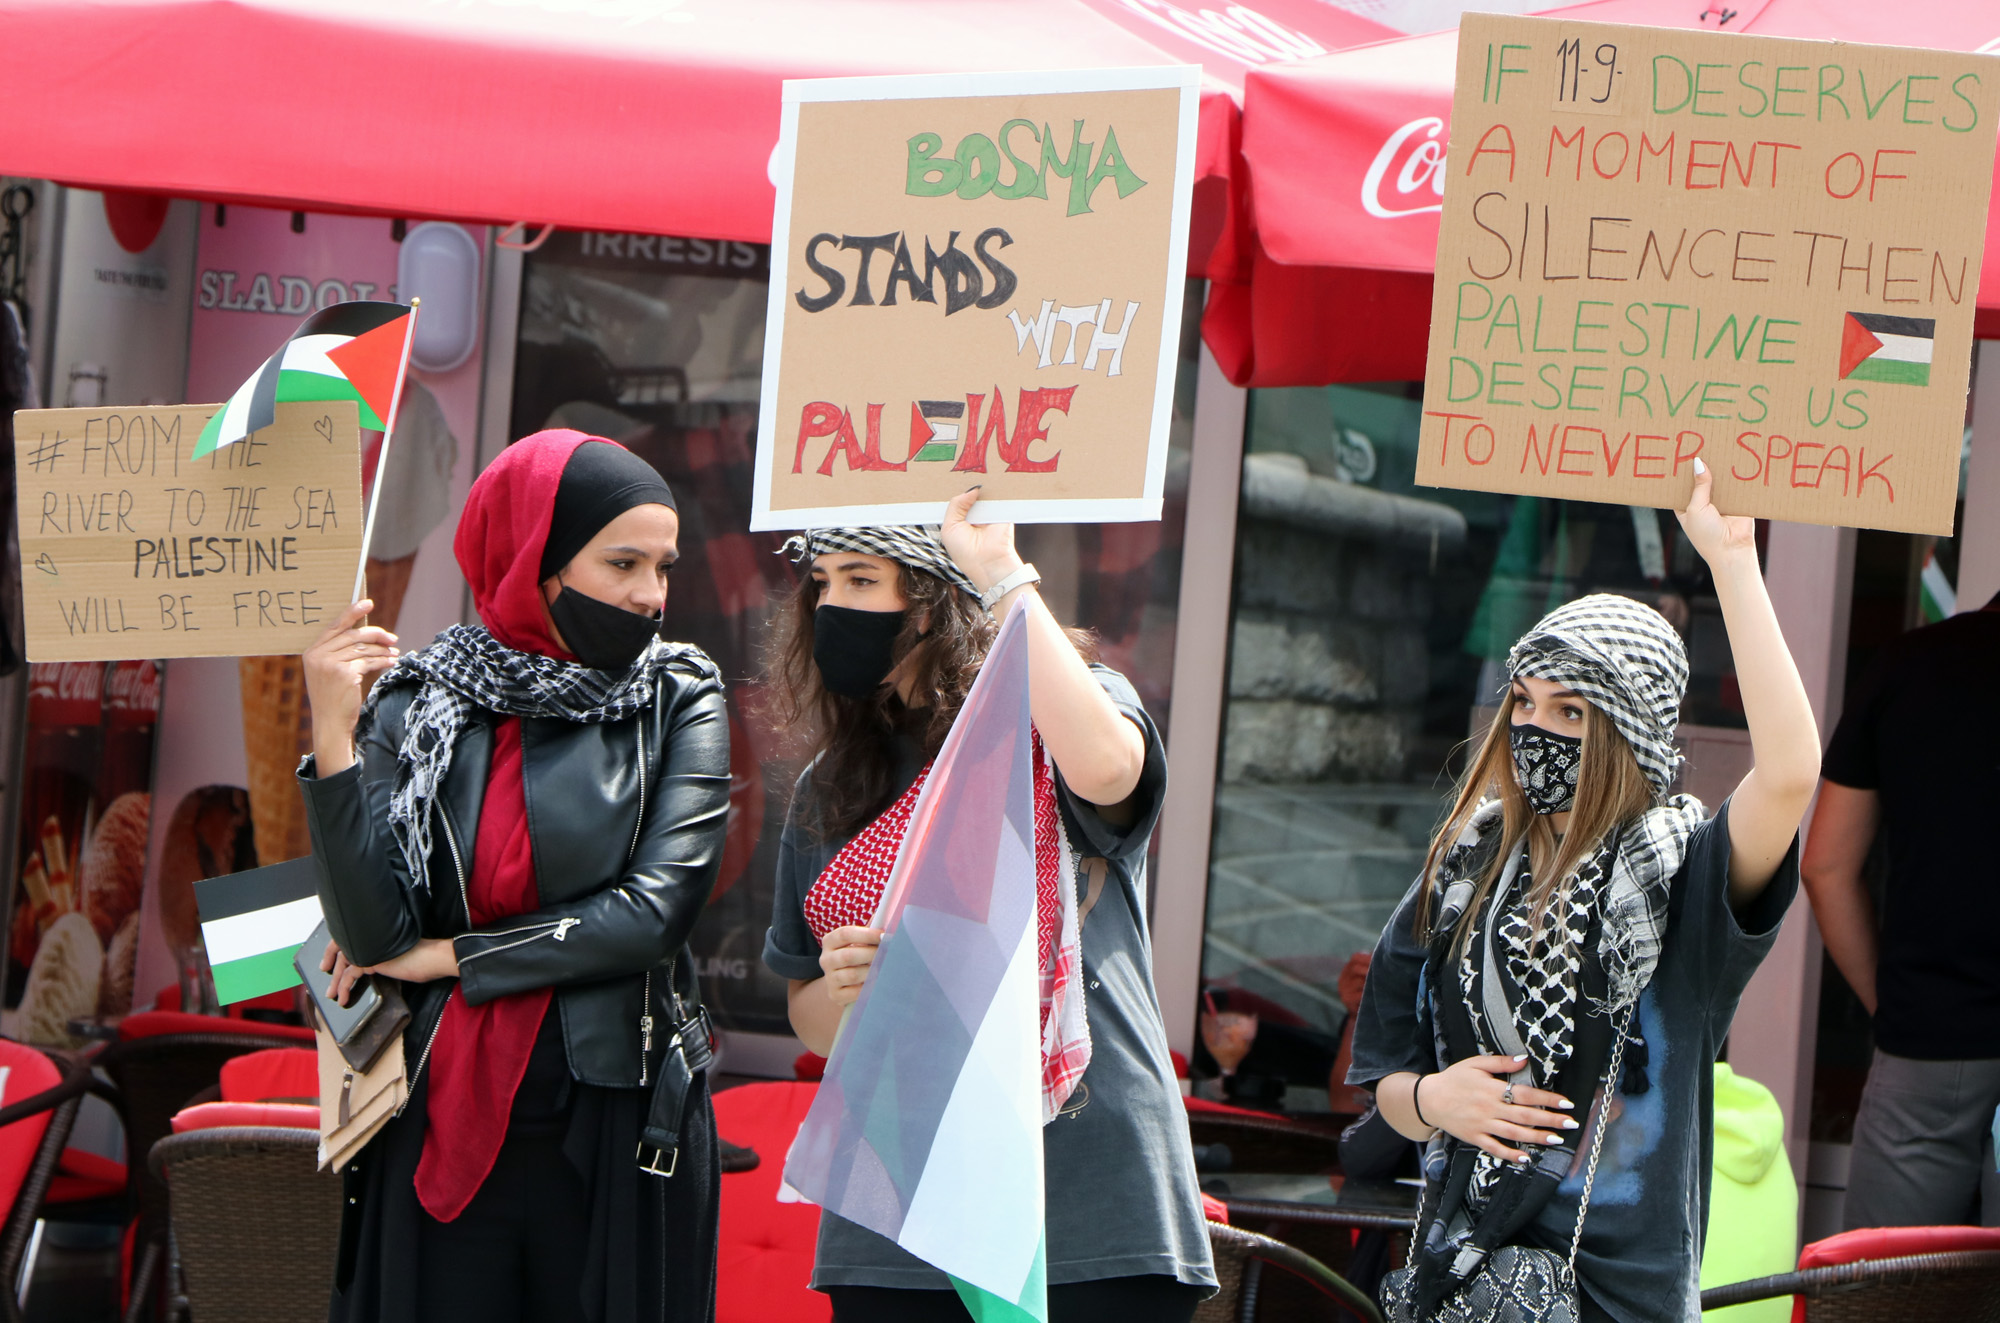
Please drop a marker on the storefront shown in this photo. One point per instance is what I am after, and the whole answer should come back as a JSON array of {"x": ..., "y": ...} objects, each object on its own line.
[{"x": 1316, "y": 635}]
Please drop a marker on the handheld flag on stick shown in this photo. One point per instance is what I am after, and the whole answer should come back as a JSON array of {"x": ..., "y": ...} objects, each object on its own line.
[
  {"x": 927, "y": 1127},
  {"x": 252, "y": 922},
  {"x": 348, "y": 351},
  {"x": 382, "y": 452}
]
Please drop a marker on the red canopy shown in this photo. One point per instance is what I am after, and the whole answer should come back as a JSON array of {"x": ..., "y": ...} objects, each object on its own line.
[
  {"x": 651, "y": 115},
  {"x": 1345, "y": 158}
]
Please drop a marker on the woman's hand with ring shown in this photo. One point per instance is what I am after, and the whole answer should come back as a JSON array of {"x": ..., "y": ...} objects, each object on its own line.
[
  {"x": 845, "y": 958},
  {"x": 1469, "y": 1100}
]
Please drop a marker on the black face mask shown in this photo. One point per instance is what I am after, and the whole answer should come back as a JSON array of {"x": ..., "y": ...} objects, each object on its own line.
[
  {"x": 854, "y": 649},
  {"x": 603, "y": 637},
  {"x": 1546, "y": 765}
]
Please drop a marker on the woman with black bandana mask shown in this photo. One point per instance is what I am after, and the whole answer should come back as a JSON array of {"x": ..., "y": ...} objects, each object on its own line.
[
  {"x": 1548, "y": 1000},
  {"x": 521, "y": 823},
  {"x": 874, "y": 658}
]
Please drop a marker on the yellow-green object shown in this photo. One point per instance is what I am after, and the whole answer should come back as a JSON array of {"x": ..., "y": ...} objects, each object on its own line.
[{"x": 1753, "y": 1204}]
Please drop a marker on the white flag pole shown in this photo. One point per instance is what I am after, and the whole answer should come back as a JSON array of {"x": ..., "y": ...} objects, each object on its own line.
[{"x": 382, "y": 455}]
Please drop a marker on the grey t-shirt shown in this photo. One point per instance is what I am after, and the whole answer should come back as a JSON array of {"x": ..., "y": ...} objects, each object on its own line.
[
  {"x": 1122, "y": 1195},
  {"x": 1640, "y": 1258}
]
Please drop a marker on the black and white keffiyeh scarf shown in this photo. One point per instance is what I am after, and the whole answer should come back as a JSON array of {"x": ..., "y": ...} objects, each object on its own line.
[
  {"x": 915, "y": 545},
  {"x": 1627, "y": 660},
  {"x": 466, "y": 669}
]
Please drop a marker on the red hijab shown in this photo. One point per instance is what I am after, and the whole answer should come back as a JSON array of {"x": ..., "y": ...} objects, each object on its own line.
[
  {"x": 503, "y": 531},
  {"x": 481, "y": 1052}
]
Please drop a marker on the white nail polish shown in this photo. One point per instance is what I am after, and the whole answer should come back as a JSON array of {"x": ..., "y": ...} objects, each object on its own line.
[{"x": 1699, "y": 467}]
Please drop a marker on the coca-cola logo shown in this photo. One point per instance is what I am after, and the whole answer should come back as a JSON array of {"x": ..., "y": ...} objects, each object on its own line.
[
  {"x": 66, "y": 682},
  {"x": 1237, "y": 31},
  {"x": 134, "y": 687},
  {"x": 1410, "y": 161},
  {"x": 65, "y": 693}
]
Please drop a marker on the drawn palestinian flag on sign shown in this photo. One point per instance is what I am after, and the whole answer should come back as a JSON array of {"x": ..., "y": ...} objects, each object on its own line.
[
  {"x": 349, "y": 351},
  {"x": 253, "y": 922},
  {"x": 1889, "y": 349},
  {"x": 934, "y": 429}
]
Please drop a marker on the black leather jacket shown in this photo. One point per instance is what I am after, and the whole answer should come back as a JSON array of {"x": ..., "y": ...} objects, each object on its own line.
[{"x": 627, "y": 822}]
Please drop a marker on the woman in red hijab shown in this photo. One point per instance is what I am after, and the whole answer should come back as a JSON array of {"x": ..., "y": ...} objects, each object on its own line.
[{"x": 521, "y": 823}]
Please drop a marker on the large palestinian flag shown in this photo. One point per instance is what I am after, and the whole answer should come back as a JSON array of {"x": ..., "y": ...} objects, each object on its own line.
[
  {"x": 349, "y": 351},
  {"x": 1889, "y": 349},
  {"x": 927, "y": 1127}
]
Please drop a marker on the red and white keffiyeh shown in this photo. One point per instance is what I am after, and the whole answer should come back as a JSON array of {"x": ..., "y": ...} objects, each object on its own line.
[{"x": 849, "y": 890}]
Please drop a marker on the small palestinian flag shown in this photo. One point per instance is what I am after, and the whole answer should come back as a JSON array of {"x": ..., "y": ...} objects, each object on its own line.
[
  {"x": 253, "y": 922},
  {"x": 1889, "y": 349},
  {"x": 934, "y": 429},
  {"x": 349, "y": 351}
]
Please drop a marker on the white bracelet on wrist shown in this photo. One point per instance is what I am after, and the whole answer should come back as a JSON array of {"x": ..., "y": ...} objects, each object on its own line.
[{"x": 1027, "y": 574}]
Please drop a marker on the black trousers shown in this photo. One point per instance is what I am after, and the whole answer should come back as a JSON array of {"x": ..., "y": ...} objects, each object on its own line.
[
  {"x": 1148, "y": 1299},
  {"x": 516, "y": 1254}
]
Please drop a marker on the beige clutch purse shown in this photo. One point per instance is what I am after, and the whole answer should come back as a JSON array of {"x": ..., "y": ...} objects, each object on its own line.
[{"x": 354, "y": 1104}]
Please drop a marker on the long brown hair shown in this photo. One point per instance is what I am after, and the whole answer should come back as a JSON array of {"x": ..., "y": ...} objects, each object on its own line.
[
  {"x": 944, "y": 639},
  {"x": 1610, "y": 790}
]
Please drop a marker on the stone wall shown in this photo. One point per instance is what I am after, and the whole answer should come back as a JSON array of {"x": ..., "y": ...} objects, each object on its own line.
[{"x": 1329, "y": 664}]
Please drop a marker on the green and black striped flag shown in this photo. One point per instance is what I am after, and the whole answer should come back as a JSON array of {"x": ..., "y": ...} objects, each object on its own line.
[{"x": 253, "y": 922}]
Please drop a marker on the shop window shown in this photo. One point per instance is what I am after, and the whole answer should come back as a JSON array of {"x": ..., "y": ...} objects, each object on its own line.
[
  {"x": 1371, "y": 623},
  {"x": 658, "y": 342}
]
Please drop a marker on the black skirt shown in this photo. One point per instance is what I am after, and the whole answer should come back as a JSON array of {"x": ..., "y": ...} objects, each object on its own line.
[{"x": 648, "y": 1242}]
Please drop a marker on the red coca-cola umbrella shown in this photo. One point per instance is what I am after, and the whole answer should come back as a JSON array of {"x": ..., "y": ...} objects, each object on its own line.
[
  {"x": 1345, "y": 169},
  {"x": 657, "y": 116}
]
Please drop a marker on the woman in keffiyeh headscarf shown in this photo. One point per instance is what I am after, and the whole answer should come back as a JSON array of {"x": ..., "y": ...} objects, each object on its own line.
[
  {"x": 522, "y": 823},
  {"x": 875, "y": 657},
  {"x": 1547, "y": 1001}
]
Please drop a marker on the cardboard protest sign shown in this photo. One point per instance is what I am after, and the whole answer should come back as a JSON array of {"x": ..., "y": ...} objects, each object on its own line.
[
  {"x": 975, "y": 279},
  {"x": 1658, "y": 244},
  {"x": 129, "y": 548}
]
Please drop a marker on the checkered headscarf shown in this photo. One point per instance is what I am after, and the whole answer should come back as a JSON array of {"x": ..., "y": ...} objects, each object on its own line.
[
  {"x": 914, "y": 545},
  {"x": 1627, "y": 660}
]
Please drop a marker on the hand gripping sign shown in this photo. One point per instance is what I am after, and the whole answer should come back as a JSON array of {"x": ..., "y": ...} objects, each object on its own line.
[{"x": 975, "y": 279}]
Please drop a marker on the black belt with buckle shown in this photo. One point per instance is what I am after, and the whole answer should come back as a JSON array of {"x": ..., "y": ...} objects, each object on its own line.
[{"x": 689, "y": 1053}]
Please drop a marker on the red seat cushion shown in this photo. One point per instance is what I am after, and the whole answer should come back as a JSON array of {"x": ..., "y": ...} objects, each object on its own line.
[
  {"x": 1896, "y": 1243},
  {"x": 1225, "y": 1109},
  {"x": 153, "y": 1024},
  {"x": 765, "y": 1255},
  {"x": 169, "y": 999},
  {"x": 1889, "y": 1243},
  {"x": 82, "y": 1176},
  {"x": 277, "y": 1074},
  {"x": 28, "y": 1073},
  {"x": 207, "y": 1116}
]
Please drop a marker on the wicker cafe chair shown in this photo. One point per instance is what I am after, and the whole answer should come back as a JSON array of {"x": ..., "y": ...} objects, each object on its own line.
[
  {"x": 160, "y": 1061},
  {"x": 1240, "y": 1257},
  {"x": 46, "y": 1117},
  {"x": 256, "y": 1223},
  {"x": 1918, "y": 1288}
]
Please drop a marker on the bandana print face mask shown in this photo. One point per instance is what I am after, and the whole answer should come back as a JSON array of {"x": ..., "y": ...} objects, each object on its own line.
[{"x": 1546, "y": 765}]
